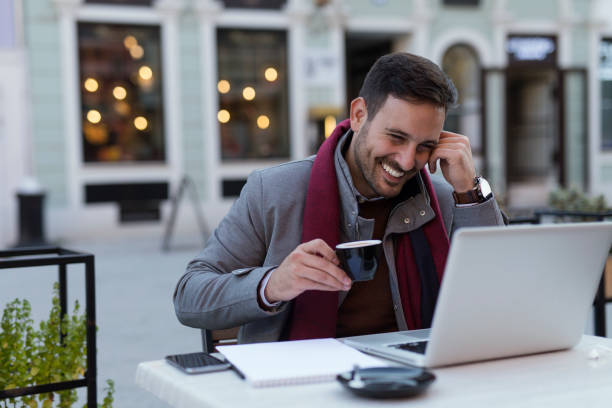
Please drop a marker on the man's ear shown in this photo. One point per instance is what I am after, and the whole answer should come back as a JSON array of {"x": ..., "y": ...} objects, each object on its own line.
[{"x": 359, "y": 113}]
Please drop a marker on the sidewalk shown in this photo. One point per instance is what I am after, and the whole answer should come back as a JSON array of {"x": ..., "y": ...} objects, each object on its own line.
[
  {"x": 135, "y": 282},
  {"x": 135, "y": 315}
]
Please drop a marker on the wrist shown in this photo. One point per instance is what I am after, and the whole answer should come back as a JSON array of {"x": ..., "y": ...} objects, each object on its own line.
[
  {"x": 269, "y": 298},
  {"x": 266, "y": 299},
  {"x": 479, "y": 193}
]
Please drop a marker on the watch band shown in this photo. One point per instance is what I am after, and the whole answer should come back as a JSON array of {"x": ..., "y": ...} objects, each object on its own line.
[
  {"x": 475, "y": 195},
  {"x": 469, "y": 197}
]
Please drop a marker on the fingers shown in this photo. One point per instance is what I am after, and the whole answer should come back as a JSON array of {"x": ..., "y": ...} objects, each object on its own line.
[
  {"x": 446, "y": 135},
  {"x": 312, "y": 285},
  {"x": 455, "y": 155},
  {"x": 326, "y": 270},
  {"x": 311, "y": 266},
  {"x": 320, "y": 247},
  {"x": 316, "y": 279},
  {"x": 450, "y": 152},
  {"x": 451, "y": 147}
]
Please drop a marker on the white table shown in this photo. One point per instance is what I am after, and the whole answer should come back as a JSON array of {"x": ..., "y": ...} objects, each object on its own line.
[{"x": 571, "y": 378}]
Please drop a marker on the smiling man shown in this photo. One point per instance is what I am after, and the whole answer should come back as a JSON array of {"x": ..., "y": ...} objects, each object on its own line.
[{"x": 270, "y": 266}]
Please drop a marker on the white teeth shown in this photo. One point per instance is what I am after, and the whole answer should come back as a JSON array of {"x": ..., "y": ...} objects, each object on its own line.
[{"x": 391, "y": 171}]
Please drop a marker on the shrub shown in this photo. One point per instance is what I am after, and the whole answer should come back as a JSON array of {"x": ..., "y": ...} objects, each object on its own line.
[
  {"x": 34, "y": 357},
  {"x": 575, "y": 200}
]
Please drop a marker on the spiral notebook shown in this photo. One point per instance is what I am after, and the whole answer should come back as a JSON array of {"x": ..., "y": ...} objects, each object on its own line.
[{"x": 295, "y": 362}]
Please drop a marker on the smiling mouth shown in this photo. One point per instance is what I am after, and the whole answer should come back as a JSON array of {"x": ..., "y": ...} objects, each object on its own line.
[{"x": 392, "y": 172}]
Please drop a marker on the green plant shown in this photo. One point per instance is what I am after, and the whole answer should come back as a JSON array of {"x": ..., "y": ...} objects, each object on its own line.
[
  {"x": 575, "y": 200},
  {"x": 34, "y": 357}
]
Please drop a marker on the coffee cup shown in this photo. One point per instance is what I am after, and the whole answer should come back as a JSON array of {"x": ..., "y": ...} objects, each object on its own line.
[{"x": 359, "y": 259}]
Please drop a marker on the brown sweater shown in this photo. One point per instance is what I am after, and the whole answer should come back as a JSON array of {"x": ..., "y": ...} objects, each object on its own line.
[{"x": 368, "y": 307}]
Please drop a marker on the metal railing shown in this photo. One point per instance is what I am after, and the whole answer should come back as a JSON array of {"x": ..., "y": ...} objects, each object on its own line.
[{"x": 46, "y": 256}]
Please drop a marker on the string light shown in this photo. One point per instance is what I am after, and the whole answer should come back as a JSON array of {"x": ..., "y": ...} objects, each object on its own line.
[
  {"x": 271, "y": 74},
  {"x": 145, "y": 72},
  {"x": 223, "y": 116},
  {"x": 223, "y": 86},
  {"x": 93, "y": 116},
  {"x": 140, "y": 122},
  {"x": 91, "y": 85},
  {"x": 95, "y": 134},
  {"x": 263, "y": 122},
  {"x": 122, "y": 108},
  {"x": 119, "y": 93},
  {"x": 130, "y": 42},
  {"x": 248, "y": 93},
  {"x": 137, "y": 52}
]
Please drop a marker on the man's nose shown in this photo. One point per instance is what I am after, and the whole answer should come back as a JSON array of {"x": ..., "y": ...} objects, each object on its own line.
[{"x": 406, "y": 158}]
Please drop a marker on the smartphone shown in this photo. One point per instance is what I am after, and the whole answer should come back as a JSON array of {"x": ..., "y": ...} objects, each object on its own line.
[{"x": 195, "y": 363}]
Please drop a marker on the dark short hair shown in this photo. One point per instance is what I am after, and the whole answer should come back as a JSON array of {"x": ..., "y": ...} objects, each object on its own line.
[{"x": 409, "y": 77}]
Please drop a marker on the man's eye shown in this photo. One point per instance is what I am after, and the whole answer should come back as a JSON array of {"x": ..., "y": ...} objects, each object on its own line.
[{"x": 424, "y": 148}]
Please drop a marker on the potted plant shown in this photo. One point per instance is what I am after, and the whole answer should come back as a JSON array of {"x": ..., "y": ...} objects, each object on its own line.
[{"x": 53, "y": 352}]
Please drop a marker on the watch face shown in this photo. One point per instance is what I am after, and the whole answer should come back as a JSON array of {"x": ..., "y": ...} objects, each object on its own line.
[{"x": 485, "y": 188}]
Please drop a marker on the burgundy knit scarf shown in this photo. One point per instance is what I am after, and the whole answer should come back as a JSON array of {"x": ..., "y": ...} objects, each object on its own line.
[{"x": 314, "y": 312}]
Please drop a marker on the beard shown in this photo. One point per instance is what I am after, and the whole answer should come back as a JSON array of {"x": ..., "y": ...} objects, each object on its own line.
[
  {"x": 361, "y": 165},
  {"x": 368, "y": 168}
]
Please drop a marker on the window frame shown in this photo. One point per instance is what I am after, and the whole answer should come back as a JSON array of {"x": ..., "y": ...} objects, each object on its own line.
[
  {"x": 286, "y": 156},
  {"x": 605, "y": 148},
  {"x": 80, "y": 173},
  {"x": 217, "y": 169},
  {"x": 164, "y": 139}
]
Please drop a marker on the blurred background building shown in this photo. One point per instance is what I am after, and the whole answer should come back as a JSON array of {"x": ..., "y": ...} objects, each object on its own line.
[{"x": 109, "y": 103}]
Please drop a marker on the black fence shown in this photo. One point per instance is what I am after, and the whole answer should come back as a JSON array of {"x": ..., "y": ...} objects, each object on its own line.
[
  {"x": 599, "y": 305},
  {"x": 45, "y": 256}
]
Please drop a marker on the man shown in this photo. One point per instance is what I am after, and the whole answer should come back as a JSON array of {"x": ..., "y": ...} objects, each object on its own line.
[{"x": 270, "y": 266}]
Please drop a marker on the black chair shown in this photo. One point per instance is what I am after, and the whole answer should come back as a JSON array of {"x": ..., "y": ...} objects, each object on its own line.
[{"x": 214, "y": 338}]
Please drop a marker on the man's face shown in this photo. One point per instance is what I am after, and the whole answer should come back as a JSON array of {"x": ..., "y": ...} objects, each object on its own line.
[{"x": 389, "y": 149}]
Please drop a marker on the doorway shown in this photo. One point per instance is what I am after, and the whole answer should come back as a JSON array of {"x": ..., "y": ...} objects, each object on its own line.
[
  {"x": 533, "y": 141},
  {"x": 362, "y": 50}
]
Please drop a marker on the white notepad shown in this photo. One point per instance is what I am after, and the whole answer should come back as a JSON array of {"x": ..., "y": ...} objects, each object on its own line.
[{"x": 295, "y": 362}]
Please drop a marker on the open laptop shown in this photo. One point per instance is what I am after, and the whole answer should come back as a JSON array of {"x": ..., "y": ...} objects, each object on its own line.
[{"x": 506, "y": 291}]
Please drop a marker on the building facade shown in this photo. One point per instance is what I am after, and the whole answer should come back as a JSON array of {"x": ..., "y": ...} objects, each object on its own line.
[{"x": 110, "y": 104}]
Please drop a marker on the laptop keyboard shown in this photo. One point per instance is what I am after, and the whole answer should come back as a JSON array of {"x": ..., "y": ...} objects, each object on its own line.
[{"x": 414, "y": 346}]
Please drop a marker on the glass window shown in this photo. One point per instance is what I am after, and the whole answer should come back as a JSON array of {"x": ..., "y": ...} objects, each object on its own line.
[
  {"x": 605, "y": 71},
  {"x": 461, "y": 64},
  {"x": 121, "y": 93},
  {"x": 253, "y": 96}
]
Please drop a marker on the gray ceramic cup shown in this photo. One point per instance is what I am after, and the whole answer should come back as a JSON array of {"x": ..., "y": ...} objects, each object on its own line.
[{"x": 359, "y": 259}]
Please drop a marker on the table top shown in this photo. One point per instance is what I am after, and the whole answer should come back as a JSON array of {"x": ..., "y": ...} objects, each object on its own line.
[{"x": 581, "y": 376}]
